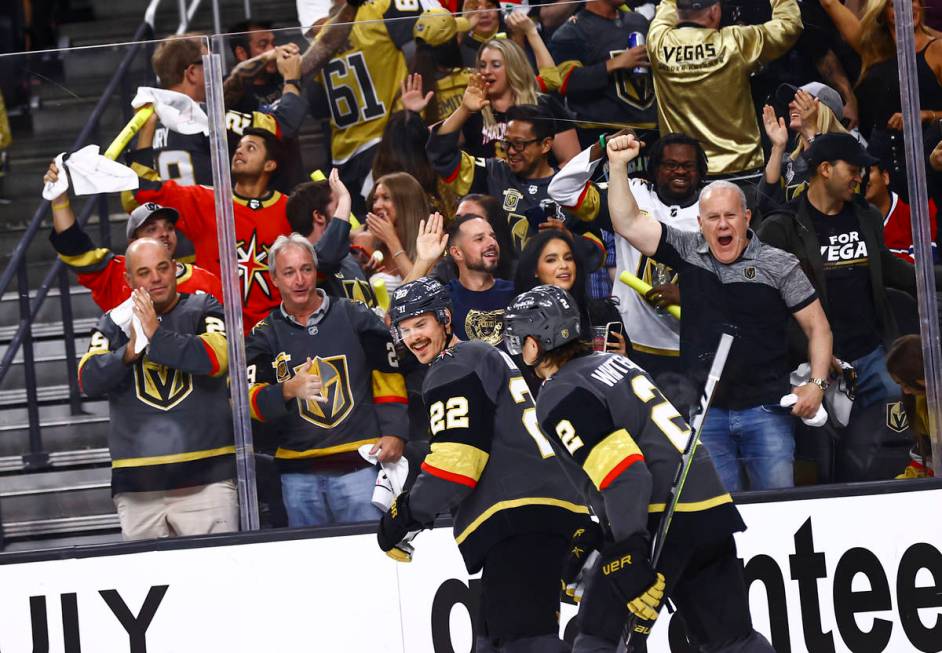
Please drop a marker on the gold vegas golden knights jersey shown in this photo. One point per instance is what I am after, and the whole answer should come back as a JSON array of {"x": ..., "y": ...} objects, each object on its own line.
[
  {"x": 362, "y": 81},
  {"x": 701, "y": 79}
]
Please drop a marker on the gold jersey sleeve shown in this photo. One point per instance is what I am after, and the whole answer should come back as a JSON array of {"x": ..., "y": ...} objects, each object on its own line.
[
  {"x": 362, "y": 81},
  {"x": 701, "y": 78}
]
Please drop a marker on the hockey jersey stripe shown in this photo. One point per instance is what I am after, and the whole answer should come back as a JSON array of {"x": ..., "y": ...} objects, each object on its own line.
[
  {"x": 289, "y": 454},
  {"x": 88, "y": 261},
  {"x": 610, "y": 457},
  {"x": 172, "y": 458},
  {"x": 215, "y": 345},
  {"x": 519, "y": 503},
  {"x": 254, "y": 390},
  {"x": 455, "y": 462},
  {"x": 694, "y": 506},
  {"x": 389, "y": 387}
]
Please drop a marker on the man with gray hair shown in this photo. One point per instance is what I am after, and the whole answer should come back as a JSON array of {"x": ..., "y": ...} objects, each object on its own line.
[
  {"x": 323, "y": 373},
  {"x": 732, "y": 282}
]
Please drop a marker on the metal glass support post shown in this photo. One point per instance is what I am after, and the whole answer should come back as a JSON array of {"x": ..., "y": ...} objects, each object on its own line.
[
  {"x": 225, "y": 231},
  {"x": 248, "y": 9},
  {"x": 919, "y": 209},
  {"x": 36, "y": 458},
  {"x": 68, "y": 337},
  {"x": 184, "y": 23}
]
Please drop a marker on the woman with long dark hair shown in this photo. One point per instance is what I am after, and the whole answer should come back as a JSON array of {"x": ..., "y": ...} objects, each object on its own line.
[{"x": 551, "y": 258}]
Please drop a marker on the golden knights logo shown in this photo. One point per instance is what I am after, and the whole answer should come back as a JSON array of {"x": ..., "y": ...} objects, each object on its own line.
[
  {"x": 336, "y": 392},
  {"x": 896, "y": 418},
  {"x": 160, "y": 386},
  {"x": 634, "y": 90},
  {"x": 280, "y": 365},
  {"x": 485, "y": 325}
]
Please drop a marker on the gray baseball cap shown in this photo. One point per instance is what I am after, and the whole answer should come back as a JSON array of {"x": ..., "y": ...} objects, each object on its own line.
[
  {"x": 145, "y": 212},
  {"x": 824, "y": 93}
]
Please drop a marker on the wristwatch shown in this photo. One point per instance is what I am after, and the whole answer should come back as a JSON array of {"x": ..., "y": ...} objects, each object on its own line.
[
  {"x": 821, "y": 383},
  {"x": 295, "y": 82}
]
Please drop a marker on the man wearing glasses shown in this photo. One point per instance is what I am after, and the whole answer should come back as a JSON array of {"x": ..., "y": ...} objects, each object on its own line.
[
  {"x": 676, "y": 170},
  {"x": 521, "y": 183}
]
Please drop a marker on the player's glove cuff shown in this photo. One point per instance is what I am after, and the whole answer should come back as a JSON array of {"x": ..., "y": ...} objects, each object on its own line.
[
  {"x": 584, "y": 541},
  {"x": 627, "y": 567},
  {"x": 396, "y": 523}
]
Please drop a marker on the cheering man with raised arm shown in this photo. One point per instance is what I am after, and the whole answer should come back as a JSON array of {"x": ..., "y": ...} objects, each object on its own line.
[{"x": 731, "y": 281}]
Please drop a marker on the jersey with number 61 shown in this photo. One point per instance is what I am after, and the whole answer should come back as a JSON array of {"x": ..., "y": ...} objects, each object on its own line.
[
  {"x": 362, "y": 81},
  {"x": 488, "y": 458},
  {"x": 615, "y": 430}
]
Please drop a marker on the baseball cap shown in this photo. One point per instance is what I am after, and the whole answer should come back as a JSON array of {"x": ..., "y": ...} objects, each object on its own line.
[
  {"x": 695, "y": 4},
  {"x": 824, "y": 93},
  {"x": 145, "y": 212},
  {"x": 838, "y": 147},
  {"x": 437, "y": 26}
]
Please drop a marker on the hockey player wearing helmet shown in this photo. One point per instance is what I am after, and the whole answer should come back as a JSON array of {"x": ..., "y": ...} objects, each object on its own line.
[
  {"x": 613, "y": 430},
  {"x": 489, "y": 464}
]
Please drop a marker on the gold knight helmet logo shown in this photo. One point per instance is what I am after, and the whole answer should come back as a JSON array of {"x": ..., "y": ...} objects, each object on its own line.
[
  {"x": 896, "y": 418},
  {"x": 338, "y": 397},
  {"x": 160, "y": 386}
]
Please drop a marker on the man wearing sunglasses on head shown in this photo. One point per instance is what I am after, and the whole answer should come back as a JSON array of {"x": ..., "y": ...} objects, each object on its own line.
[{"x": 521, "y": 181}]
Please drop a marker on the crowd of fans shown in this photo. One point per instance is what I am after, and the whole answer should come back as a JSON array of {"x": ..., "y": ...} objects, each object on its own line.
[{"x": 486, "y": 145}]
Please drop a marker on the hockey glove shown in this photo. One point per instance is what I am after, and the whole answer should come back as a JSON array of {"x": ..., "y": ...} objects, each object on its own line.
[
  {"x": 395, "y": 525},
  {"x": 584, "y": 542},
  {"x": 356, "y": 3},
  {"x": 627, "y": 567}
]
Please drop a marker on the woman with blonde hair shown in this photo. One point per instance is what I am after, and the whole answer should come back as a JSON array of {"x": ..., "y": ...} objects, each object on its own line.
[
  {"x": 873, "y": 37},
  {"x": 814, "y": 109},
  {"x": 397, "y": 204},
  {"x": 510, "y": 81}
]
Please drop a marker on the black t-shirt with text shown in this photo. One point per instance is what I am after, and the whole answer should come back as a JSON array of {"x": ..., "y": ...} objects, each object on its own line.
[{"x": 847, "y": 276}]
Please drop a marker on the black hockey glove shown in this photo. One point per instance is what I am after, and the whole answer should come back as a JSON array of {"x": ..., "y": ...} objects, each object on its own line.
[
  {"x": 357, "y": 3},
  {"x": 584, "y": 541},
  {"x": 627, "y": 567},
  {"x": 396, "y": 523}
]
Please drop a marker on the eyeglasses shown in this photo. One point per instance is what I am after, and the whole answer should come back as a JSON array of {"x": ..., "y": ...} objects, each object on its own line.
[
  {"x": 686, "y": 166},
  {"x": 517, "y": 146}
]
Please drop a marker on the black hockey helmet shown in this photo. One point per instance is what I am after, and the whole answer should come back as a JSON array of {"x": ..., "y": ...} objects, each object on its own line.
[
  {"x": 424, "y": 295},
  {"x": 548, "y": 313}
]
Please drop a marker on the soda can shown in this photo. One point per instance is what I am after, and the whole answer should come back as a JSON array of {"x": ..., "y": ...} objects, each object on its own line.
[{"x": 634, "y": 40}]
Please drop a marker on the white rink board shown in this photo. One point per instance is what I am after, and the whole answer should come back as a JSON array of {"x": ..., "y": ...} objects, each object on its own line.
[{"x": 341, "y": 594}]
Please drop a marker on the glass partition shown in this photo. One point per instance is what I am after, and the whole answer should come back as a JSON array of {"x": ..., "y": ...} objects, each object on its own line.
[{"x": 248, "y": 127}]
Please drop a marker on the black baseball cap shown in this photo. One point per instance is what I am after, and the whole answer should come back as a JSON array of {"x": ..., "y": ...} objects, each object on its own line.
[
  {"x": 695, "y": 4},
  {"x": 838, "y": 147}
]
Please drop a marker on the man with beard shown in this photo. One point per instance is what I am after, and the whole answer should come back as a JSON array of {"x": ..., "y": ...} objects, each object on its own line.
[
  {"x": 520, "y": 182},
  {"x": 259, "y": 217},
  {"x": 478, "y": 297},
  {"x": 678, "y": 165}
]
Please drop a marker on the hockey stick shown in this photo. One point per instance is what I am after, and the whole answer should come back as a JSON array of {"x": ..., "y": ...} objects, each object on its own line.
[
  {"x": 125, "y": 135},
  {"x": 632, "y": 630}
]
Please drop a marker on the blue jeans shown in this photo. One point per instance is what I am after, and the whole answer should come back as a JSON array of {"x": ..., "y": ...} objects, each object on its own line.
[
  {"x": 761, "y": 438},
  {"x": 319, "y": 499},
  {"x": 874, "y": 383}
]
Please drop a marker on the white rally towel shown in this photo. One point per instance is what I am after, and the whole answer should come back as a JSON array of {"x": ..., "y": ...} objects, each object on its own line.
[
  {"x": 91, "y": 173},
  {"x": 389, "y": 481},
  {"x": 123, "y": 316},
  {"x": 177, "y": 112}
]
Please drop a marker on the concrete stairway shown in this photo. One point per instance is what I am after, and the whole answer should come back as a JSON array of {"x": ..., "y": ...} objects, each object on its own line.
[{"x": 63, "y": 498}]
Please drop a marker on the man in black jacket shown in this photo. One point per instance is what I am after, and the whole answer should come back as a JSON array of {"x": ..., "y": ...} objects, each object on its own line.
[{"x": 838, "y": 240}]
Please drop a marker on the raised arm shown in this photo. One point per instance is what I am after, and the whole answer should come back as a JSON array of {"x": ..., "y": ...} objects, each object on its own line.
[
  {"x": 845, "y": 21},
  {"x": 638, "y": 227},
  {"x": 62, "y": 215},
  {"x": 332, "y": 37},
  {"x": 519, "y": 21}
]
